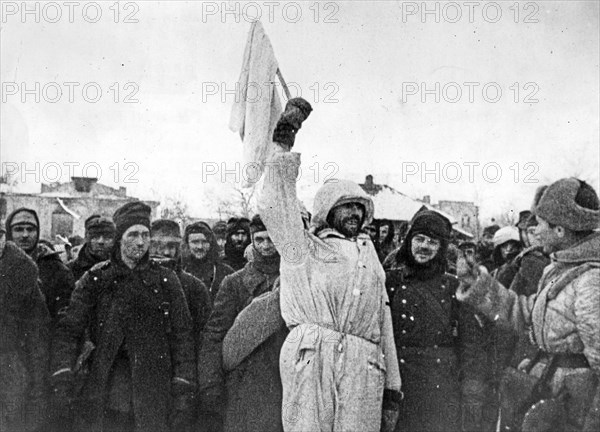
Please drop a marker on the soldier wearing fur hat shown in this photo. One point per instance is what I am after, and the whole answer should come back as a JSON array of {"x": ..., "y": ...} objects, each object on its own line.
[
  {"x": 202, "y": 257},
  {"x": 438, "y": 340},
  {"x": 141, "y": 373},
  {"x": 238, "y": 238},
  {"x": 235, "y": 401},
  {"x": 563, "y": 315},
  {"x": 57, "y": 282},
  {"x": 99, "y": 239}
]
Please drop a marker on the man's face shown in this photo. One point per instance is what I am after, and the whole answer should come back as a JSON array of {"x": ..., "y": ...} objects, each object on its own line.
[
  {"x": 424, "y": 248},
  {"x": 509, "y": 249},
  {"x": 532, "y": 237},
  {"x": 372, "y": 231},
  {"x": 384, "y": 230},
  {"x": 198, "y": 245},
  {"x": 135, "y": 242},
  {"x": 239, "y": 239},
  {"x": 263, "y": 244},
  {"x": 487, "y": 239},
  {"x": 469, "y": 253},
  {"x": 101, "y": 244},
  {"x": 347, "y": 218},
  {"x": 548, "y": 237},
  {"x": 25, "y": 236},
  {"x": 164, "y": 245}
]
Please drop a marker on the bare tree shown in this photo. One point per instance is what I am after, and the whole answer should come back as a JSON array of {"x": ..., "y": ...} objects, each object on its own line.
[
  {"x": 230, "y": 199},
  {"x": 176, "y": 209}
]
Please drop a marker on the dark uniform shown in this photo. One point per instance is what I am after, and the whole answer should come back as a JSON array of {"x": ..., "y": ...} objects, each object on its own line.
[
  {"x": 438, "y": 340},
  {"x": 24, "y": 325},
  {"x": 439, "y": 353},
  {"x": 141, "y": 328}
]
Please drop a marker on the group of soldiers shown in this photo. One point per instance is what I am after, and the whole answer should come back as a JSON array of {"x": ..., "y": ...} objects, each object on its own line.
[{"x": 302, "y": 323}]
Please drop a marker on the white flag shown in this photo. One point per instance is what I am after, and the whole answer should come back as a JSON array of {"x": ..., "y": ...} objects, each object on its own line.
[{"x": 257, "y": 106}]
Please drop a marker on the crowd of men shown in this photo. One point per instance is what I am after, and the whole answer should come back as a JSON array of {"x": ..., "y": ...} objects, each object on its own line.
[{"x": 296, "y": 322}]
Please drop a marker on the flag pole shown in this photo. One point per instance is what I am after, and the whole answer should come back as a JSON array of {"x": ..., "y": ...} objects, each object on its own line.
[{"x": 285, "y": 87}]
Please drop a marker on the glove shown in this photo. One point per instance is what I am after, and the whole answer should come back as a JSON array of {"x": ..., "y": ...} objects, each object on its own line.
[
  {"x": 391, "y": 409},
  {"x": 296, "y": 111}
]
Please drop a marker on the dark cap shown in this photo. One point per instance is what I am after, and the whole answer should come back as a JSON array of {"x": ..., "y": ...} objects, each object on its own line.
[
  {"x": 132, "y": 213},
  {"x": 256, "y": 224},
  {"x": 236, "y": 224},
  {"x": 431, "y": 224},
  {"x": 220, "y": 229},
  {"x": 490, "y": 230},
  {"x": 523, "y": 218},
  {"x": 97, "y": 224},
  {"x": 165, "y": 226}
]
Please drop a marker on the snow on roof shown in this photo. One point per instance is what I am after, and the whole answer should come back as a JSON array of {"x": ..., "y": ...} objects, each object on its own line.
[{"x": 391, "y": 204}]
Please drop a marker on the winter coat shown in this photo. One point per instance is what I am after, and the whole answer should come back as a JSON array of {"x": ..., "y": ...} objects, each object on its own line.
[
  {"x": 211, "y": 273},
  {"x": 440, "y": 352},
  {"x": 83, "y": 262},
  {"x": 57, "y": 281},
  {"x": 24, "y": 329},
  {"x": 199, "y": 304},
  {"x": 228, "y": 395},
  {"x": 340, "y": 354},
  {"x": 564, "y": 316},
  {"x": 140, "y": 325}
]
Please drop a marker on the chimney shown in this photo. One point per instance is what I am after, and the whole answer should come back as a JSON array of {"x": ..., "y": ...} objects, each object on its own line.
[
  {"x": 427, "y": 199},
  {"x": 84, "y": 184},
  {"x": 369, "y": 181}
]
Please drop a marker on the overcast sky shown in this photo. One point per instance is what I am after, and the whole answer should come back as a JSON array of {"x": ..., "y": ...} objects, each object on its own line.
[{"x": 362, "y": 65}]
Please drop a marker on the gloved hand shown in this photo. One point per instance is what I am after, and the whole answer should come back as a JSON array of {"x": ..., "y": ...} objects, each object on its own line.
[
  {"x": 391, "y": 409},
  {"x": 296, "y": 111},
  {"x": 389, "y": 418}
]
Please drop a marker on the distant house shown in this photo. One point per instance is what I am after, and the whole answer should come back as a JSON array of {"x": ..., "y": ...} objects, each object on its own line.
[
  {"x": 64, "y": 207},
  {"x": 400, "y": 208}
]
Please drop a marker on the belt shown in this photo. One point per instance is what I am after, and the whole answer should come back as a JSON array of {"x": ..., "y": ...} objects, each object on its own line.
[{"x": 567, "y": 360}]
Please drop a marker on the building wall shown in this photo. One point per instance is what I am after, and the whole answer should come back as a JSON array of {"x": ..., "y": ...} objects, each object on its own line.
[{"x": 466, "y": 213}]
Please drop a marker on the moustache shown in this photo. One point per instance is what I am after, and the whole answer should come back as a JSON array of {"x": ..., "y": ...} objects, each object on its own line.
[{"x": 424, "y": 251}]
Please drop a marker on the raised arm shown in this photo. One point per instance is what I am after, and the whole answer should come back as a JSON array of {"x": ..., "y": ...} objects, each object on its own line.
[{"x": 277, "y": 202}]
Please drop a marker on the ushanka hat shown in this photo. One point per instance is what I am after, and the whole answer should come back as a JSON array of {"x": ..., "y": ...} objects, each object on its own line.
[
  {"x": 256, "y": 224},
  {"x": 97, "y": 224},
  {"x": 432, "y": 224},
  {"x": 132, "y": 213},
  {"x": 557, "y": 206},
  {"x": 236, "y": 224},
  {"x": 167, "y": 227}
]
